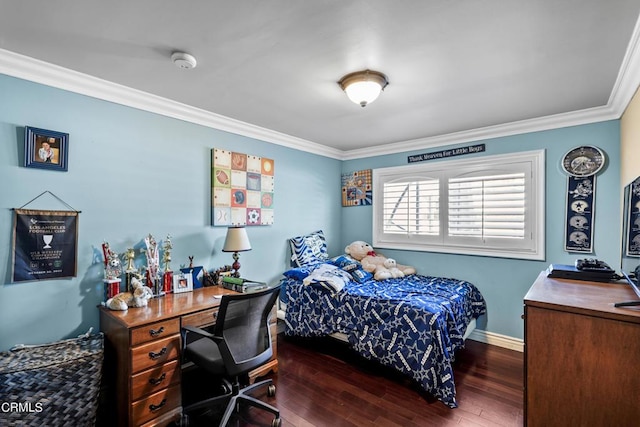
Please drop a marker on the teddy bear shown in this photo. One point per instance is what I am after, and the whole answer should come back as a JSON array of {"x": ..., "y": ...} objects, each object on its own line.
[
  {"x": 391, "y": 265},
  {"x": 375, "y": 262},
  {"x": 138, "y": 298}
]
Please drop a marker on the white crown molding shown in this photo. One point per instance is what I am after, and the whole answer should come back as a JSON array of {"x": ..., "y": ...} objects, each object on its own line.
[
  {"x": 623, "y": 90},
  {"x": 27, "y": 68},
  {"x": 499, "y": 340},
  {"x": 574, "y": 118}
]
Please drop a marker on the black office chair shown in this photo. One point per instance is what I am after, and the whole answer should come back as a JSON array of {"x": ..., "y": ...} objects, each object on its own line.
[{"x": 241, "y": 342}]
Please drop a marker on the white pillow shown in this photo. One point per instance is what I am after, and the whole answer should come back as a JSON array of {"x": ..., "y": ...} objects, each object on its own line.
[{"x": 328, "y": 276}]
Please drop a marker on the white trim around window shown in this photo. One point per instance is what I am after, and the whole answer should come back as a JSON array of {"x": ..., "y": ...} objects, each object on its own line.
[{"x": 488, "y": 206}]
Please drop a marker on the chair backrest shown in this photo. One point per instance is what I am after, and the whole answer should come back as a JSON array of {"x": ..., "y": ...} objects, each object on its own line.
[{"x": 243, "y": 323}]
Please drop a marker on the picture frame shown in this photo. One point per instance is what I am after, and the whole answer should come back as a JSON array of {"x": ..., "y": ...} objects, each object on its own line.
[
  {"x": 46, "y": 149},
  {"x": 182, "y": 282}
]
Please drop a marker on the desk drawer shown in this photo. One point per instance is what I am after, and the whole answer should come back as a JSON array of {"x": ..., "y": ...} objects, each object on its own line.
[
  {"x": 155, "y": 353},
  {"x": 154, "y": 331},
  {"x": 154, "y": 379},
  {"x": 155, "y": 405},
  {"x": 201, "y": 319}
]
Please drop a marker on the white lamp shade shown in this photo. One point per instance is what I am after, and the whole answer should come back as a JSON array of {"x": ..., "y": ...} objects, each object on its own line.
[{"x": 236, "y": 240}]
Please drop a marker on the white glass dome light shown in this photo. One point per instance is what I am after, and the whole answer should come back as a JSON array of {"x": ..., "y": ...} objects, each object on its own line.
[{"x": 363, "y": 87}]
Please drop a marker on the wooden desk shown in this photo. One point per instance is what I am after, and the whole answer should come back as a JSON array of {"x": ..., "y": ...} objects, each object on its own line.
[
  {"x": 581, "y": 354},
  {"x": 142, "y": 354}
]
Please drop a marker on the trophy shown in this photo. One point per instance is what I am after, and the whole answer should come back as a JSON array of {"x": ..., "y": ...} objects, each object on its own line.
[
  {"x": 153, "y": 262},
  {"x": 112, "y": 272},
  {"x": 131, "y": 270},
  {"x": 167, "y": 277}
]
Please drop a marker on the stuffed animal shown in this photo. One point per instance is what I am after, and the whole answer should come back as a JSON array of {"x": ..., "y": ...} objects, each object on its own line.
[
  {"x": 391, "y": 265},
  {"x": 138, "y": 298},
  {"x": 374, "y": 262}
]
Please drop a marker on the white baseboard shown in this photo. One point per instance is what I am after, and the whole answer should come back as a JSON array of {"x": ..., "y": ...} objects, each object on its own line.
[{"x": 499, "y": 340}]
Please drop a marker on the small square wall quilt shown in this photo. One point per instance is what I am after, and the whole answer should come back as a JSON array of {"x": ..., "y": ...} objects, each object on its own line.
[{"x": 242, "y": 188}]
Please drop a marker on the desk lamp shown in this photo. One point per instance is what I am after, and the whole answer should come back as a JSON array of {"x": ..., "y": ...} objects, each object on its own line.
[{"x": 236, "y": 241}]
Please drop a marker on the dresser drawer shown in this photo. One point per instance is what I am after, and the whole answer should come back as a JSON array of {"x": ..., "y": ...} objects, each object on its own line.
[
  {"x": 155, "y": 353},
  {"x": 155, "y": 405},
  {"x": 201, "y": 319},
  {"x": 154, "y": 331},
  {"x": 154, "y": 379}
]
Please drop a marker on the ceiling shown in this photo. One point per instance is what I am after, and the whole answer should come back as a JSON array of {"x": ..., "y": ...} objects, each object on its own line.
[{"x": 454, "y": 66}]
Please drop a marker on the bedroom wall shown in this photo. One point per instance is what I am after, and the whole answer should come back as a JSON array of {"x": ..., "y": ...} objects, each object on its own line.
[
  {"x": 132, "y": 173},
  {"x": 504, "y": 282}
]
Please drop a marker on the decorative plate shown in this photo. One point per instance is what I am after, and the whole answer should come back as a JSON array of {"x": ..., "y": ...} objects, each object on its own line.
[{"x": 583, "y": 161}]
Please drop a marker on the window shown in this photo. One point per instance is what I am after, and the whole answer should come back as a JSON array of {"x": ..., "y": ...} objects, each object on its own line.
[{"x": 491, "y": 205}]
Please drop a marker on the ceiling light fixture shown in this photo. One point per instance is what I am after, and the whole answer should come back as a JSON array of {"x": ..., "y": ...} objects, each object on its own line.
[
  {"x": 363, "y": 87},
  {"x": 183, "y": 60}
]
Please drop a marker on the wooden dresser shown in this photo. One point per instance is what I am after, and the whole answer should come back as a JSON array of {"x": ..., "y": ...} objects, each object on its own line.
[
  {"x": 142, "y": 355},
  {"x": 582, "y": 354}
]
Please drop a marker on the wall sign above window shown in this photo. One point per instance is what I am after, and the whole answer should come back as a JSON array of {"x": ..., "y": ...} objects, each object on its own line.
[{"x": 479, "y": 148}]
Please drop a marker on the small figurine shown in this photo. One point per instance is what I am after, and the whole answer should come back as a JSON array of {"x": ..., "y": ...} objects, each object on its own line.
[{"x": 138, "y": 298}]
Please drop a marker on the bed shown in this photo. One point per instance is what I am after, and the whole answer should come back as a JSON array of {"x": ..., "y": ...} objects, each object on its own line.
[{"x": 412, "y": 324}]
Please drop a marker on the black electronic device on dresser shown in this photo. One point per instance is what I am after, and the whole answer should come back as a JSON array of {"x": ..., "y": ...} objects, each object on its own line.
[{"x": 588, "y": 269}]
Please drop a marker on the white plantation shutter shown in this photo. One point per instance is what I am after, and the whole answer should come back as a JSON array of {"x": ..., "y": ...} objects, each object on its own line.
[
  {"x": 490, "y": 206},
  {"x": 487, "y": 206},
  {"x": 412, "y": 207}
]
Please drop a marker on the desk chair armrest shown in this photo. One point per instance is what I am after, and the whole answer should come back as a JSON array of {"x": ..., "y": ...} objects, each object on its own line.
[{"x": 201, "y": 332}]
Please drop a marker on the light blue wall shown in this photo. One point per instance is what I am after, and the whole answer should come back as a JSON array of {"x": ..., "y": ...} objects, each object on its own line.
[
  {"x": 132, "y": 173},
  {"x": 504, "y": 282}
]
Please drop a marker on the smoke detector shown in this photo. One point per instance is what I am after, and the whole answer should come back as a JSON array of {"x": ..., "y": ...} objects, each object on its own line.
[{"x": 183, "y": 60}]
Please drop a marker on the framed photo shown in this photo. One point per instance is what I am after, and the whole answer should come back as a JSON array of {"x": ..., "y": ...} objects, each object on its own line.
[
  {"x": 182, "y": 282},
  {"x": 46, "y": 149}
]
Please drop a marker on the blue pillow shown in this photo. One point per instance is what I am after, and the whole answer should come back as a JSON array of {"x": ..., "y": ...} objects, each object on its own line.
[
  {"x": 353, "y": 267},
  {"x": 300, "y": 273},
  {"x": 308, "y": 249},
  {"x": 361, "y": 275}
]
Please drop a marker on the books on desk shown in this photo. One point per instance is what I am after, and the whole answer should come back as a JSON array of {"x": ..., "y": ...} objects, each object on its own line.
[{"x": 242, "y": 285}]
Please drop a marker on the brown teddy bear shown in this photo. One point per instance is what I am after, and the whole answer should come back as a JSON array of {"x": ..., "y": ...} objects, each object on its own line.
[{"x": 375, "y": 263}]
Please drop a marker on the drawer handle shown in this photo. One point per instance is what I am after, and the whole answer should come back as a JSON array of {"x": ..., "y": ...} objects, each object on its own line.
[
  {"x": 156, "y": 381},
  {"x": 154, "y": 356},
  {"x": 154, "y": 408},
  {"x": 156, "y": 332}
]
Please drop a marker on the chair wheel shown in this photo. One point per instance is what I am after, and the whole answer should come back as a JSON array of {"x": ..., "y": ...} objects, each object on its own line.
[
  {"x": 277, "y": 422},
  {"x": 271, "y": 391}
]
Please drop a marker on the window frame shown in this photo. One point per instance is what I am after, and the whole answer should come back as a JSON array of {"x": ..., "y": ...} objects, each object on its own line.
[{"x": 531, "y": 162}]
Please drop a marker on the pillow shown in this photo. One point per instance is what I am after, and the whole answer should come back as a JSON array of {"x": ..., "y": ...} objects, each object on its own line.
[
  {"x": 328, "y": 276},
  {"x": 308, "y": 249},
  {"x": 352, "y": 267},
  {"x": 299, "y": 273}
]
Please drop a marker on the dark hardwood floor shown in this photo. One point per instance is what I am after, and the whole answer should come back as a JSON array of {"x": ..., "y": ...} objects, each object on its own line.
[{"x": 322, "y": 383}]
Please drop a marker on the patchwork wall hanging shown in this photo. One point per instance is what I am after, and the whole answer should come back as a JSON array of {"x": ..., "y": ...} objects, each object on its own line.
[
  {"x": 581, "y": 165},
  {"x": 242, "y": 189},
  {"x": 356, "y": 188}
]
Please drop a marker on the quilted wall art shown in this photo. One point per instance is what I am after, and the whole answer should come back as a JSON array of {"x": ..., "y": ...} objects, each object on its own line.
[
  {"x": 356, "y": 188},
  {"x": 242, "y": 189}
]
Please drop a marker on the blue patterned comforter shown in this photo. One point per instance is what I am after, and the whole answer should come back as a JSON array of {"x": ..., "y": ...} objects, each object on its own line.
[{"x": 412, "y": 324}]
